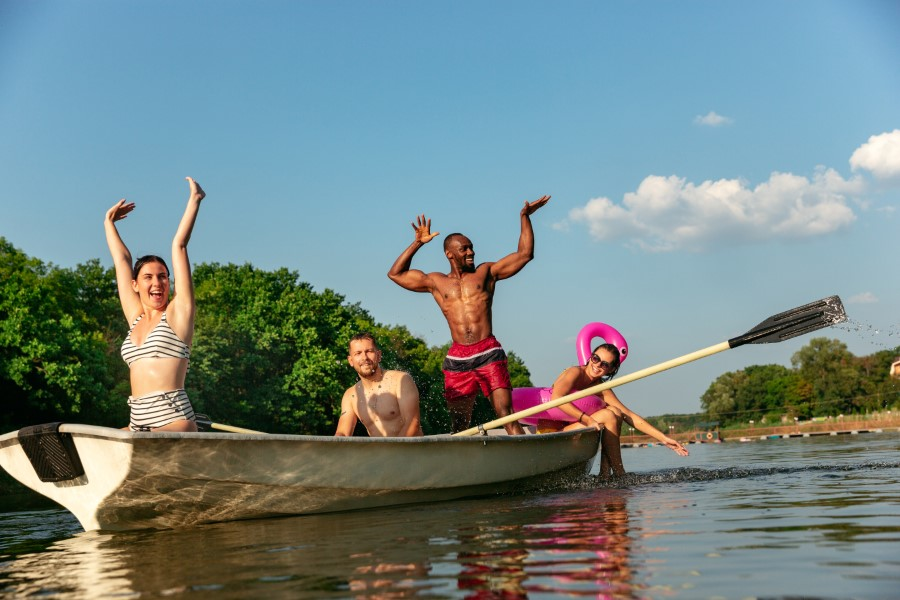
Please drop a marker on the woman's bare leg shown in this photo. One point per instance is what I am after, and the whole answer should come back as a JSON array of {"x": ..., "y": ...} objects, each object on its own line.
[{"x": 611, "y": 444}]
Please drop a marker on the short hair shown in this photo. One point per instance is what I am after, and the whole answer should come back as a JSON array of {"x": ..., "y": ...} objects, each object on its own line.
[
  {"x": 449, "y": 239},
  {"x": 363, "y": 335},
  {"x": 149, "y": 258}
]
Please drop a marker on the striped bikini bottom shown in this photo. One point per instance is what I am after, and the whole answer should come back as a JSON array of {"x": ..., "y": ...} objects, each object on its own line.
[{"x": 158, "y": 409}]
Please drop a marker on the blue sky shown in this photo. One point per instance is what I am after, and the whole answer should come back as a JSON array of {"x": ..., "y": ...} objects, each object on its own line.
[{"x": 710, "y": 163}]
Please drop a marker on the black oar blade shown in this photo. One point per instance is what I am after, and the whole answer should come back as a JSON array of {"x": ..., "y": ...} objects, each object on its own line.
[
  {"x": 204, "y": 423},
  {"x": 797, "y": 321}
]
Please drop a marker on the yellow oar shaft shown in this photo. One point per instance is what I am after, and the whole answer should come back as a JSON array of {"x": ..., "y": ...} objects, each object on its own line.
[{"x": 233, "y": 429}]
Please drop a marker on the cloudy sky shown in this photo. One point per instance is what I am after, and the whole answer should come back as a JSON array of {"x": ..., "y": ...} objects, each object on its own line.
[{"x": 710, "y": 164}]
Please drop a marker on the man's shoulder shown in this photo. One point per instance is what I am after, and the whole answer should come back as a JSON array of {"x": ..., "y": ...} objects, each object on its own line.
[
  {"x": 437, "y": 275},
  {"x": 395, "y": 374}
]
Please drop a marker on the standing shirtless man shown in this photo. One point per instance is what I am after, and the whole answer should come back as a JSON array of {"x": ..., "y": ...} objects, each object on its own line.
[
  {"x": 387, "y": 402},
  {"x": 465, "y": 296}
]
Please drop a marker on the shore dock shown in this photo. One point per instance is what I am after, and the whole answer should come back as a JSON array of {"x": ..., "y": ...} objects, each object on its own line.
[{"x": 802, "y": 430}]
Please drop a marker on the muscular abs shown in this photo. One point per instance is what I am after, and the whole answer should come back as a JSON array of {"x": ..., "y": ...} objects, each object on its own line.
[{"x": 466, "y": 303}]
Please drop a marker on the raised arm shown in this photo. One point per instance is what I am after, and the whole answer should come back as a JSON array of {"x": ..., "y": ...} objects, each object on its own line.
[
  {"x": 400, "y": 273},
  {"x": 121, "y": 257},
  {"x": 408, "y": 398},
  {"x": 511, "y": 264},
  {"x": 183, "y": 302},
  {"x": 638, "y": 422}
]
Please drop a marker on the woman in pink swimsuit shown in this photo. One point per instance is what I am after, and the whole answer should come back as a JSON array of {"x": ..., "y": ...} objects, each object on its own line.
[{"x": 601, "y": 367}]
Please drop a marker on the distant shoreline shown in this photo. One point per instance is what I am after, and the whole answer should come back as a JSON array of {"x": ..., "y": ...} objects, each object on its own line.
[{"x": 837, "y": 426}]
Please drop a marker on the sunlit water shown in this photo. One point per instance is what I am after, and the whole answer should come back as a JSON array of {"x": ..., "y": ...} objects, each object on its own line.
[{"x": 806, "y": 517}]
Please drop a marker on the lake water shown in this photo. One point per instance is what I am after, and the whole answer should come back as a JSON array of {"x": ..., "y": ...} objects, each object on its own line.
[{"x": 805, "y": 517}]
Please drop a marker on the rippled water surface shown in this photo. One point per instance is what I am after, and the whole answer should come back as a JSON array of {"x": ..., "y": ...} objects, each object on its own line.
[{"x": 807, "y": 517}]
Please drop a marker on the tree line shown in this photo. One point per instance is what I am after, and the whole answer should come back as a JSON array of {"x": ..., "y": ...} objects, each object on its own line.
[
  {"x": 825, "y": 379},
  {"x": 270, "y": 353}
]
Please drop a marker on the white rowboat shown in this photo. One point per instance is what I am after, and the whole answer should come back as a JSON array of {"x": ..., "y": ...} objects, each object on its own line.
[{"x": 112, "y": 479}]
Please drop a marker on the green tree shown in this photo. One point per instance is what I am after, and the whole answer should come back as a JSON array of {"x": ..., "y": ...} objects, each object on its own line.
[
  {"x": 832, "y": 372},
  {"x": 765, "y": 387},
  {"x": 519, "y": 374},
  {"x": 269, "y": 352},
  {"x": 52, "y": 355},
  {"x": 718, "y": 401},
  {"x": 878, "y": 391}
]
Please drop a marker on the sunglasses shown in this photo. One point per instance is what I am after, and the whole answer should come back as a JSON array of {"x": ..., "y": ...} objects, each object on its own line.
[{"x": 599, "y": 361}]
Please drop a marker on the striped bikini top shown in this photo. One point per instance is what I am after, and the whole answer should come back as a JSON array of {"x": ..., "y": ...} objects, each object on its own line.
[{"x": 162, "y": 342}]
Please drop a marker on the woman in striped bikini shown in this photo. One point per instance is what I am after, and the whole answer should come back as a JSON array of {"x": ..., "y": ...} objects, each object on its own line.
[{"x": 158, "y": 345}]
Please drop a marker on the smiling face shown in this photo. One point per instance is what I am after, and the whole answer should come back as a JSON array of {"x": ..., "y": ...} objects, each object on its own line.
[
  {"x": 364, "y": 357},
  {"x": 152, "y": 284},
  {"x": 460, "y": 252},
  {"x": 603, "y": 363}
]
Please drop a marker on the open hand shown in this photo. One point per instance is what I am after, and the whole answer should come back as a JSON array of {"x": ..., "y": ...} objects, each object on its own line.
[
  {"x": 531, "y": 207},
  {"x": 422, "y": 227},
  {"x": 119, "y": 210},
  {"x": 676, "y": 447}
]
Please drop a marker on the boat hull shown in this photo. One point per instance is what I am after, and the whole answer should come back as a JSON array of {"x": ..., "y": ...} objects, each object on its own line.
[{"x": 135, "y": 480}]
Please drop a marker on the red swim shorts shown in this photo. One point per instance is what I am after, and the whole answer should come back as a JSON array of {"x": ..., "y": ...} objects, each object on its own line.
[{"x": 470, "y": 367}]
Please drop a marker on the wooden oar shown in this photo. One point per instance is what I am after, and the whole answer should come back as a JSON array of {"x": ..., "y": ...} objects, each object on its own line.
[
  {"x": 783, "y": 326},
  {"x": 207, "y": 422}
]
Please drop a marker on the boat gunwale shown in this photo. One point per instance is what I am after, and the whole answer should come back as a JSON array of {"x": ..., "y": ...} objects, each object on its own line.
[{"x": 125, "y": 436}]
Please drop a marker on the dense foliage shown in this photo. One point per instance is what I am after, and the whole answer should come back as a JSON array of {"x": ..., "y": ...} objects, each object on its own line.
[
  {"x": 826, "y": 379},
  {"x": 269, "y": 352}
]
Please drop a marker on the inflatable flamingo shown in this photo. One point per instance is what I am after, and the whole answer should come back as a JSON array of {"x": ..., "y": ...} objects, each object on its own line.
[{"x": 523, "y": 398}]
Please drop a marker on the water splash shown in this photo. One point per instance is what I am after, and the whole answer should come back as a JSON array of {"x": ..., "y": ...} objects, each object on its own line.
[
  {"x": 696, "y": 474},
  {"x": 884, "y": 337},
  {"x": 834, "y": 311}
]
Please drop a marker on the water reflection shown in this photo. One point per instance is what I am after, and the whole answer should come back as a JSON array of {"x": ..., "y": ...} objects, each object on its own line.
[
  {"x": 510, "y": 547},
  {"x": 578, "y": 546}
]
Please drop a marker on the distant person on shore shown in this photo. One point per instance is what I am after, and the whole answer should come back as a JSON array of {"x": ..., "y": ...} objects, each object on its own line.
[
  {"x": 601, "y": 367},
  {"x": 158, "y": 345},
  {"x": 465, "y": 295},
  {"x": 386, "y": 402}
]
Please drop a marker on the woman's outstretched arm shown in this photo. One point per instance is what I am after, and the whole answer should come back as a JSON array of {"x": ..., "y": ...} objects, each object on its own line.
[
  {"x": 183, "y": 301},
  {"x": 121, "y": 257},
  {"x": 639, "y": 423}
]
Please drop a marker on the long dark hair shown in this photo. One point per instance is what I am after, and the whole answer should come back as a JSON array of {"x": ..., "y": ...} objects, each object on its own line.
[{"x": 149, "y": 258}]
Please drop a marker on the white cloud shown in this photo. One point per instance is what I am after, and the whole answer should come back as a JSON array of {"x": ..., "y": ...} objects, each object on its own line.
[
  {"x": 668, "y": 213},
  {"x": 880, "y": 156},
  {"x": 863, "y": 298},
  {"x": 712, "y": 119}
]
